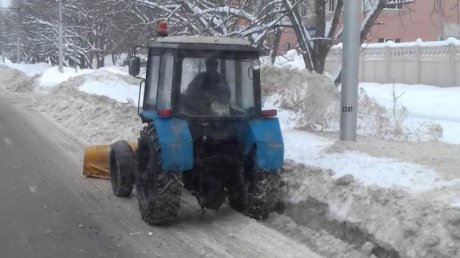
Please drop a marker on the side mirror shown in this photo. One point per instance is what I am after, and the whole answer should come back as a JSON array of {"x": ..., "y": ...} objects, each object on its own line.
[{"x": 135, "y": 66}]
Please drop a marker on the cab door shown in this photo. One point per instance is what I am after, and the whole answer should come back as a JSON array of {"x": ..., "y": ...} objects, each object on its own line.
[{"x": 159, "y": 80}]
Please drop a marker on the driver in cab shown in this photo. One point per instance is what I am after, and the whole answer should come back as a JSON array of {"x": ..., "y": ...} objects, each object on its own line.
[{"x": 209, "y": 92}]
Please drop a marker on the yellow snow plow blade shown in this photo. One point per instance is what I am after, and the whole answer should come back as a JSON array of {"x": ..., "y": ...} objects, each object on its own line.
[{"x": 96, "y": 162}]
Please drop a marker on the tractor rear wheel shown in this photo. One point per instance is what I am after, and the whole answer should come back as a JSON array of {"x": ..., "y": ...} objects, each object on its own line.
[
  {"x": 158, "y": 191},
  {"x": 264, "y": 194},
  {"x": 121, "y": 169}
]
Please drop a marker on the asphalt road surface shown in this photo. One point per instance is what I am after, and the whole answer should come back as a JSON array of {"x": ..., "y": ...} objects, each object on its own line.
[
  {"x": 39, "y": 217},
  {"x": 47, "y": 209}
]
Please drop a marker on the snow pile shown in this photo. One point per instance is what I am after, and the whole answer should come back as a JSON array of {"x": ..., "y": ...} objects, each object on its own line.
[
  {"x": 392, "y": 222},
  {"x": 121, "y": 92},
  {"x": 51, "y": 77},
  {"x": 113, "y": 84},
  {"x": 15, "y": 80},
  {"x": 30, "y": 69},
  {"x": 108, "y": 113},
  {"x": 96, "y": 119},
  {"x": 313, "y": 98},
  {"x": 316, "y": 238}
]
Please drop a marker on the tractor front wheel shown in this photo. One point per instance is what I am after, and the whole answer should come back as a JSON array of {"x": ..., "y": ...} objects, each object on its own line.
[
  {"x": 158, "y": 191},
  {"x": 121, "y": 168}
]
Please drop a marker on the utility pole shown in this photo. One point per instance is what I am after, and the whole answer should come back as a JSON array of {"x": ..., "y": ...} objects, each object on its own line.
[
  {"x": 61, "y": 52},
  {"x": 17, "y": 37},
  {"x": 1, "y": 32},
  {"x": 75, "y": 46},
  {"x": 350, "y": 64}
]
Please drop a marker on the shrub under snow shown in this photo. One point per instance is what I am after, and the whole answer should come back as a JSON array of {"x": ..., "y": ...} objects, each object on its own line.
[{"x": 314, "y": 101}]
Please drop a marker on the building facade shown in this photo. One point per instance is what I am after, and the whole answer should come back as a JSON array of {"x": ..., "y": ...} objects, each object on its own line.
[
  {"x": 403, "y": 21},
  {"x": 429, "y": 20}
]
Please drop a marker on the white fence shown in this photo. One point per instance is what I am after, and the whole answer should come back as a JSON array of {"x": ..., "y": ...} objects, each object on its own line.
[{"x": 431, "y": 63}]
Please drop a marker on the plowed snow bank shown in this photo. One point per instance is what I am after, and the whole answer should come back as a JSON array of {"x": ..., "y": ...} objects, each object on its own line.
[
  {"x": 396, "y": 222},
  {"x": 97, "y": 119},
  {"x": 29, "y": 69},
  {"x": 14, "y": 80}
]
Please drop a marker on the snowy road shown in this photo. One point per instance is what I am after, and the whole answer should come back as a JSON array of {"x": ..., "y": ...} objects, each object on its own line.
[{"x": 49, "y": 210}]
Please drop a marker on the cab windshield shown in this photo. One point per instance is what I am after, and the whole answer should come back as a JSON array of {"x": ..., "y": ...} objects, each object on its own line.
[{"x": 219, "y": 87}]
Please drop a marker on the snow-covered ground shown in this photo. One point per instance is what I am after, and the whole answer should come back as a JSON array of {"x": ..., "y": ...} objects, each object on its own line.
[
  {"x": 370, "y": 172},
  {"x": 310, "y": 149},
  {"x": 424, "y": 103}
]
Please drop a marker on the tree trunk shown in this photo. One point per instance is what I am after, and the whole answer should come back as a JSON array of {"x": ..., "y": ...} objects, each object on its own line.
[
  {"x": 308, "y": 60},
  {"x": 321, "y": 45},
  {"x": 100, "y": 60},
  {"x": 83, "y": 64},
  {"x": 114, "y": 58},
  {"x": 320, "y": 60},
  {"x": 276, "y": 44}
]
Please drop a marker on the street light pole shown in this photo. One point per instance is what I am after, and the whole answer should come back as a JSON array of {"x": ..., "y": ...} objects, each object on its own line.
[
  {"x": 61, "y": 52},
  {"x": 350, "y": 64}
]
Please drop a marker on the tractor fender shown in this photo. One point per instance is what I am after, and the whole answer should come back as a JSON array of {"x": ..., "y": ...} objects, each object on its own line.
[
  {"x": 266, "y": 135},
  {"x": 175, "y": 139}
]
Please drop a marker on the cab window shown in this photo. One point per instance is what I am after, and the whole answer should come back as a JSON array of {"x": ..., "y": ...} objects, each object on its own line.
[{"x": 159, "y": 82}]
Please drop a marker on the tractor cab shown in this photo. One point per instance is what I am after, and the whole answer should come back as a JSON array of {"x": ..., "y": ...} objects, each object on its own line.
[{"x": 201, "y": 78}]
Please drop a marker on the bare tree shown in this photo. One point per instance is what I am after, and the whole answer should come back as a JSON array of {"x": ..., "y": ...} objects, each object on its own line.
[
  {"x": 251, "y": 18},
  {"x": 315, "y": 47},
  {"x": 94, "y": 29}
]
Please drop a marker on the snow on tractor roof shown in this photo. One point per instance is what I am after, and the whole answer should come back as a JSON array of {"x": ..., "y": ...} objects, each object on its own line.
[{"x": 203, "y": 40}]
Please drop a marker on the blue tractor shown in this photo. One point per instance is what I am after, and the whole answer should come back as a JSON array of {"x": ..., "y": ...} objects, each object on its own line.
[{"x": 205, "y": 131}]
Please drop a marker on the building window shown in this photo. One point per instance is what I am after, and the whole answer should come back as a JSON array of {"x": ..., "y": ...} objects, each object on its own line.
[
  {"x": 331, "y": 5},
  {"x": 289, "y": 46}
]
